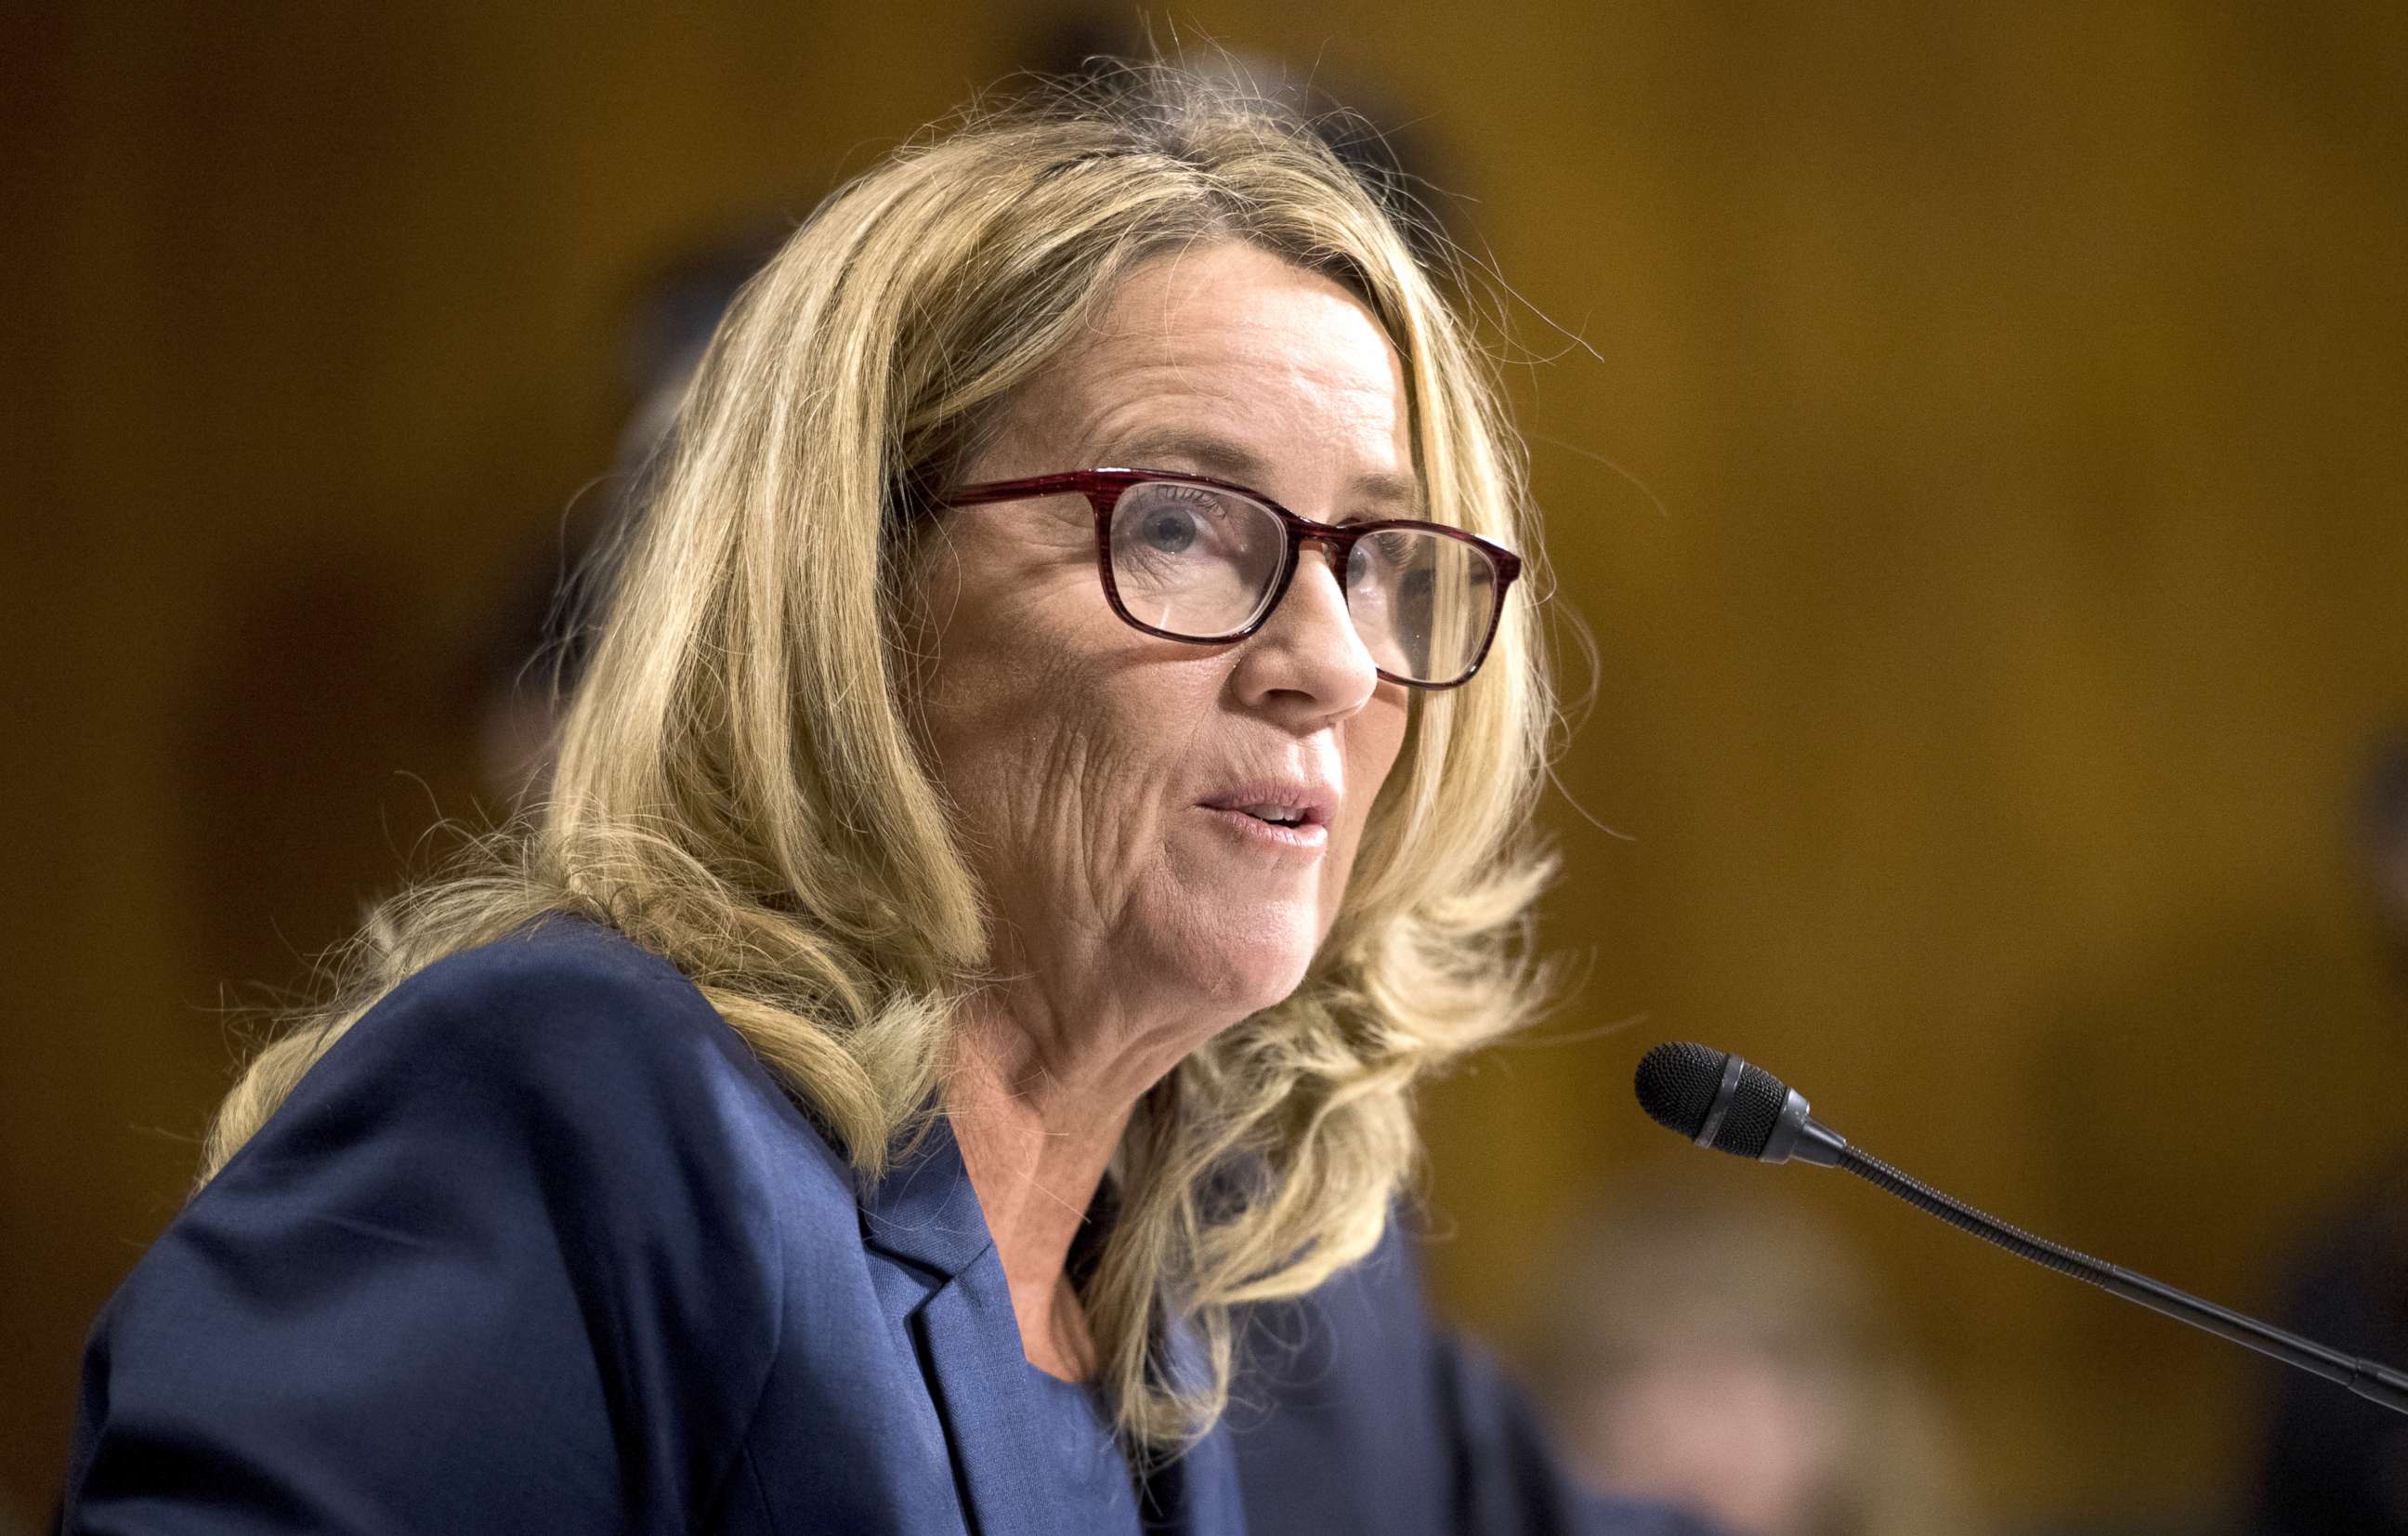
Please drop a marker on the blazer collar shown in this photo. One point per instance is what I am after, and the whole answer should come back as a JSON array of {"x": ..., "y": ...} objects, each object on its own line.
[{"x": 924, "y": 1211}]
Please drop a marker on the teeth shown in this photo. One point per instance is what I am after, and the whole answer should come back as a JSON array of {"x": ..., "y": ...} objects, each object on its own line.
[{"x": 1285, "y": 816}]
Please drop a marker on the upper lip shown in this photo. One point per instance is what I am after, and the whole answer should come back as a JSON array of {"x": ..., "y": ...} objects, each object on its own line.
[{"x": 1315, "y": 802}]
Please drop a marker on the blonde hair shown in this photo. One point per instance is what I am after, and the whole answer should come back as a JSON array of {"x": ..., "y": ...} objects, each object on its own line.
[{"x": 738, "y": 787}]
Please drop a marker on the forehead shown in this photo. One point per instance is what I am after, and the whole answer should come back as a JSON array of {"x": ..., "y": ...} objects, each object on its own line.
[{"x": 1228, "y": 359}]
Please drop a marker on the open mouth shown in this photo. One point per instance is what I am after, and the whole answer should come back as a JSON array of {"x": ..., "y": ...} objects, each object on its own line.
[
  {"x": 1277, "y": 813},
  {"x": 1275, "y": 824}
]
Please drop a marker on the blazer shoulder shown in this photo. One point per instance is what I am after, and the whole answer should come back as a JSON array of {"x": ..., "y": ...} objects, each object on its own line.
[
  {"x": 558, "y": 982},
  {"x": 559, "y": 998},
  {"x": 523, "y": 1237},
  {"x": 561, "y": 1034}
]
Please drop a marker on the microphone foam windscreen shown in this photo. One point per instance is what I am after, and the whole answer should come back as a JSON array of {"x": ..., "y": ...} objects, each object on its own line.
[{"x": 1676, "y": 1084}]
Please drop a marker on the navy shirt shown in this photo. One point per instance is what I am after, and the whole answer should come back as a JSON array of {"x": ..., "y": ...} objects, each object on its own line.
[{"x": 539, "y": 1245}]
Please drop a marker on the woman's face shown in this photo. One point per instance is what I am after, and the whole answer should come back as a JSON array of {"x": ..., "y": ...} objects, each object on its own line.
[{"x": 1100, "y": 775}]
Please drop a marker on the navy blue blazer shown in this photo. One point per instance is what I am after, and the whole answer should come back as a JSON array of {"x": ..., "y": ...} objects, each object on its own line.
[{"x": 539, "y": 1245}]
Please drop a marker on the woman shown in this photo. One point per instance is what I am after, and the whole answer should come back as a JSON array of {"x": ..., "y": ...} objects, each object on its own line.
[{"x": 993, "y": 906}]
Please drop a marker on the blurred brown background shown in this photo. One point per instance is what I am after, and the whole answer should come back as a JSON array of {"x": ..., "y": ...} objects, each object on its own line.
[{"x": 1973, "y": 435}]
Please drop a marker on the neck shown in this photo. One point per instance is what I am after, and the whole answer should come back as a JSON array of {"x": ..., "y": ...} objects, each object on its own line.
[{"x": 1037, "y": 1127}]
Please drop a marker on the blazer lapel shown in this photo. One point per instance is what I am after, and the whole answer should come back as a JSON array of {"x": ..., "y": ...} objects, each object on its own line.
[{"x": 925, "y": 1213}]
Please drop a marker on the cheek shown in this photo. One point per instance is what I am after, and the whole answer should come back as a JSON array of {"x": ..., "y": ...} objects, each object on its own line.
[
  {"x": 1057, "y": 753},
  {"x": 992, "y": 694},
  {"x": 1379, "y": 735},
  {"x": 1374, "y": 739},
  {"x": 1006, "y": 728}
]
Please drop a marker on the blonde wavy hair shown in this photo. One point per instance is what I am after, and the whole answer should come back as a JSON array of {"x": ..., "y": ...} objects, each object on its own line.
[{"x": 740, "y": 788}]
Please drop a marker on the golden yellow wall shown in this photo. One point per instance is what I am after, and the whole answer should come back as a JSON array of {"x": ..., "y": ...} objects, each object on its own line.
[{"x": 1973, "y": 433}]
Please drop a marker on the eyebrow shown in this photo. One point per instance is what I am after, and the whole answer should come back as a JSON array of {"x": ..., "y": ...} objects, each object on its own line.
[{"x": 1227, "y": 460}]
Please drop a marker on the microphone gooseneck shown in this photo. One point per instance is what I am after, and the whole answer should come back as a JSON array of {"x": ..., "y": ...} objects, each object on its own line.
[{"x": 1716, "y": 1101}]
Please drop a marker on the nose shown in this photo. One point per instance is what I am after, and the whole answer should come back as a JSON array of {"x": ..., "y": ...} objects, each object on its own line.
[{"x": 1307, "y": 660}]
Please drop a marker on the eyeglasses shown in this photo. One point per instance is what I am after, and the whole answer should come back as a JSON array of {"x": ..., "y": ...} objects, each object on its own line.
[{"x": 1191, "y": 558}]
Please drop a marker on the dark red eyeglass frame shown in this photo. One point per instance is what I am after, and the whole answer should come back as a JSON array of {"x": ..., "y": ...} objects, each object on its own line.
[{"x": 1103, "y": 488}]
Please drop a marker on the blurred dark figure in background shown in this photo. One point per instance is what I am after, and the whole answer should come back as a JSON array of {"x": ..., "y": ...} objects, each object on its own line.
[
  {"x": 518, "y": 671},
  {"x": 2333, "y": 1463},
  {"x": 1727, "y": 1354}
]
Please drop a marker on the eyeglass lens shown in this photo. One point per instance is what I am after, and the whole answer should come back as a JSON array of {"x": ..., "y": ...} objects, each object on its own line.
[{"x": 1197, "y": 561}]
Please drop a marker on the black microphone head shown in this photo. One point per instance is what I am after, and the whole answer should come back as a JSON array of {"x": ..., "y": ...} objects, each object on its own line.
[{"x": 1678, "y": 1082}]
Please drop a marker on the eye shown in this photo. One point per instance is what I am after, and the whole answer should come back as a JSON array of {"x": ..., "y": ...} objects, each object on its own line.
[
  {"x": 1167, "y": 519},
  {"x": 1168, "y": 529},
  {"x": 1383, "y": 553}
]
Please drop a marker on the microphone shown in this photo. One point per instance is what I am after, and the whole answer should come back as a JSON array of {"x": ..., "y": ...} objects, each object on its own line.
[{"x": 1717, "y": 1100}]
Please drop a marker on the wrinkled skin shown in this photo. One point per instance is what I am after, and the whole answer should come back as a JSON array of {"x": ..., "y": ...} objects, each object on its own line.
[
  {"x": 1131, "y": 922},
  {"x": 1076, "y": 748}
]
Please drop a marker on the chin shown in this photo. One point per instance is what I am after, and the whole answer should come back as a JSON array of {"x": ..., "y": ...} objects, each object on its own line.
[
  {"x": 1247, "y": 978},
  {"x": 1234, "y": 953},
  {"x": 1274, "y": 989}
]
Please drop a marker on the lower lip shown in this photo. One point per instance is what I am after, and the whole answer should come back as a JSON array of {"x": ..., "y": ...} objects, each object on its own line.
[{"x": 1303, "y": 838}]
